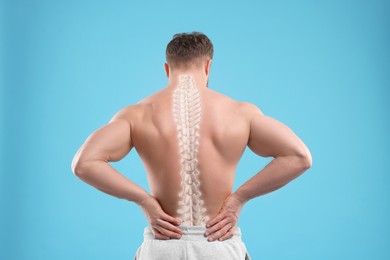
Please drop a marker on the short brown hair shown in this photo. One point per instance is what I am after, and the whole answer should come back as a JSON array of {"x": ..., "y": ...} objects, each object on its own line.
[{"x": 186, "y": 49}]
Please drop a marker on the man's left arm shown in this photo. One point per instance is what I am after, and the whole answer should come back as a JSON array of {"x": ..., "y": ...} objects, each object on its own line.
[{"x": 110, "y": 143}]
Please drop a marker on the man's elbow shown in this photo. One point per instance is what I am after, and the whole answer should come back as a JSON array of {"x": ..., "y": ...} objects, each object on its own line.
[
  {"x": 86, "y": 167},
  {"x": 76, "y": 169},
  {"x": 301, "y": 160},
  {"x": 306, "y": 160},
  {"x": 76, "y": 166},
  {"x": 79, "y": 168}
]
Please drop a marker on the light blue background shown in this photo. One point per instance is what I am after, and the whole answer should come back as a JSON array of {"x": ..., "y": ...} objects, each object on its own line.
[{"x": 320, "y": 67}]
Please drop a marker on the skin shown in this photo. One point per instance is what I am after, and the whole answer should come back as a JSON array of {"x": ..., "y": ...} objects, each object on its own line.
[{"x": 227, "y": 127}]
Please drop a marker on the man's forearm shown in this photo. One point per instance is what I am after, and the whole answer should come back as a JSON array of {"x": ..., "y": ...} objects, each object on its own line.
[
  {"x": 104, "y": 177},
  {"x": 273, "y": 176}
]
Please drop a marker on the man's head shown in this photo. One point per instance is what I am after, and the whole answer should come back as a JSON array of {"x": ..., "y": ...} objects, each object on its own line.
[{"x": 189, "y": 51}]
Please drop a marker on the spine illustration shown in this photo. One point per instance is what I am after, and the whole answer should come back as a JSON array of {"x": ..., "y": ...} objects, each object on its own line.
[{"x": 187, "y": 114}]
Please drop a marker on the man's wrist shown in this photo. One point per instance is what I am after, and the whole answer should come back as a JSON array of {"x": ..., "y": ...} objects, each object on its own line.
[
  {"x": 144, "y": 198},
  {"x": 239, "y": 196}
]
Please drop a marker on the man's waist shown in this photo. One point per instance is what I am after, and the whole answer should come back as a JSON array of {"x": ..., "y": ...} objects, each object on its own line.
[{"x": 194, "y": 233}]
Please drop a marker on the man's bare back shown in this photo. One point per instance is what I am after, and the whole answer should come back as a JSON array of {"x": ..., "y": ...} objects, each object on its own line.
[
  {"x": 225, "y": 127},
  {"x": 190, "y": 139},
  {"x": 223, "y": 135}
]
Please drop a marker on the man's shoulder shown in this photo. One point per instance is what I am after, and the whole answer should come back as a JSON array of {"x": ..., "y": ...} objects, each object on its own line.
[
  {"x": 128, "y": 112},
  {"x": 142, "y": 106},
  {"x": 249, "y": 108}
]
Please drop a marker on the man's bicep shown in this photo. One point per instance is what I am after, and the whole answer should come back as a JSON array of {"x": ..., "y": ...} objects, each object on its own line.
[
  {"x": 110, "y": 143},
  {"x": 270, "y": 137}
]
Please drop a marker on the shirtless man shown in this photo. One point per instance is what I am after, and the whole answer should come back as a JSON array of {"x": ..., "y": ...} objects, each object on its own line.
[{"x": 190, "y": 139}]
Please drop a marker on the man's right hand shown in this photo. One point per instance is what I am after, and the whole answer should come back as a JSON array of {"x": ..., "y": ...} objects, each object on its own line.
[
  {"x": 222, "y": 226},
  {"x": 163, "y": 225}
]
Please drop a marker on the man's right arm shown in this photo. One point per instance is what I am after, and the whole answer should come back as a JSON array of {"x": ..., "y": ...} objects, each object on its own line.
[{"x": 269, "y": 137}]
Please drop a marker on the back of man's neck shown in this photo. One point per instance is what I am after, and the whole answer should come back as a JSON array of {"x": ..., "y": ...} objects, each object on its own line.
[{"x": 200, "y": 80}]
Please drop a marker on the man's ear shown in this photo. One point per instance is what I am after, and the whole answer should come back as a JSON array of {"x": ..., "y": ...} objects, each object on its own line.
[
  {"x": 166, "y": 67},
  {"x": 207, "y": 67}
]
